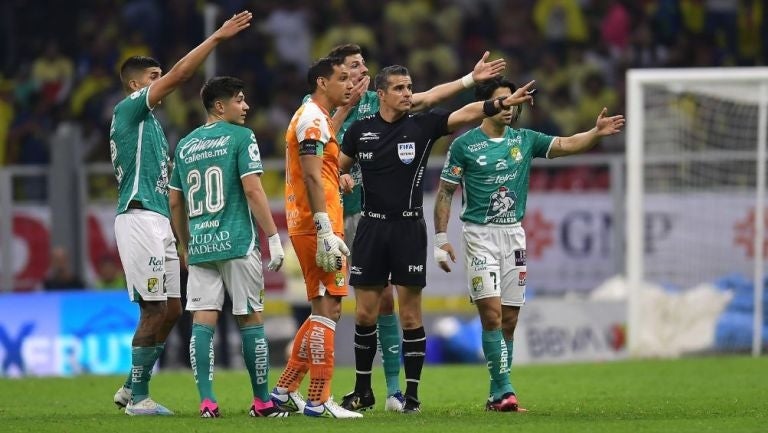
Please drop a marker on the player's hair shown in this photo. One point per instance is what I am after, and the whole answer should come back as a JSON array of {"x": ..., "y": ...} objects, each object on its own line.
[
  {"x": 219, "y": 88},
  {"x": 485, "y": 89},
  {"x": 133, "y": 65},
  {"x": 345, "y": 50},
  {"x": 382, "y": 78},
  {"x": 322, "y": 68}
]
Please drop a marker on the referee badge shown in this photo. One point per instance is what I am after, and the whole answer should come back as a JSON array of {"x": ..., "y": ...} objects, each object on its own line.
[{"x": 406, "y": 152}]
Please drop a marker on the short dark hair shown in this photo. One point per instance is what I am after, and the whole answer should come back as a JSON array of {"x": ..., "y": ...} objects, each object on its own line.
[
  {"x": 485, "y": 89},
  {"x": 345, "y": 50},
  {"x": 218, "y": 88},
  {"x": 323, "y": 67},
  {"x": 382, "y": 78},
  {"x": 135, "y": 64}
]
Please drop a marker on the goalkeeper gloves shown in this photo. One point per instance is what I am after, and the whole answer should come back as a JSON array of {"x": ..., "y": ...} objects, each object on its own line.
[
  {"x": 330, "y": 248},
  {"x": 276, "y": 253}
]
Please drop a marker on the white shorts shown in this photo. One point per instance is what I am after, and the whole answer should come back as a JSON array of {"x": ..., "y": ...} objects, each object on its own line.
[
  {"x": 495, "y": 259},
  {"x": 147, "y": 250},
  {"x": 242, "y": 278}
]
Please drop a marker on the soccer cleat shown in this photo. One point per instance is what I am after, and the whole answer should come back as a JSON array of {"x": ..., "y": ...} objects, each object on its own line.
[
  {"x": 395, "y": 402},
  {"x": 209, "y": 409},
  {"x": 122, "y": 397},
  {"x": 288, "y": 401},
  {"x": 329, "y": 409},
  {"x": 507, "y": 403},
  {"x": 359, "y": 402},
  {"x": 412, "y": 405},
  {"x": 267, "y": 409},
  {"x": 146, "y": 407}
]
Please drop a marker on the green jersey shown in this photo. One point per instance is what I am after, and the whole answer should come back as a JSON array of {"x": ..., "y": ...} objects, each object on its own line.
[
  {"x": 139, "y": 154},
  {"x": 368, "y": 105},
  {"x": 208, "y": 166},
  {"x": 494, "y": 173}
]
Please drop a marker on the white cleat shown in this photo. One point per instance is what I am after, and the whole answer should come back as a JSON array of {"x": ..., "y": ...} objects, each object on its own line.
[
  {"x": 329, "y": 409},
  {"x": 288, "y": 401},
  {"x": 395, "y": 402},
  {"x": 122, "y": 397},
  {"x": 146, "y": 407}
]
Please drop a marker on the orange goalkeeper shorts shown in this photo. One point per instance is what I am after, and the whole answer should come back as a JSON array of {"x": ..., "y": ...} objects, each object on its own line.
[{"x": 334, "y": 282}]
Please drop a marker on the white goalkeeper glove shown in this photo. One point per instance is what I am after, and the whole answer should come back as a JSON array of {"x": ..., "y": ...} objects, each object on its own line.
[
  {"x": 442, "y": 251},
  {"x": 276, "y": 253},
  {"x": 330, "y": 248}
]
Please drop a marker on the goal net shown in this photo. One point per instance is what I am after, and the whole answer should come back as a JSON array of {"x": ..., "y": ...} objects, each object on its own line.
[{"x": 696, "y": 218}]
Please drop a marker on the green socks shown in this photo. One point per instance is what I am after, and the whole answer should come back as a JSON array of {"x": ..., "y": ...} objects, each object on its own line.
[
  {"x": 256, "y": 357},
  {"x": 201, "y": 358},
  {"x": 497, "y": 360},
  {"x": 142, "y": 361},
  {"x": 389, "y": 339},
  {"x": 510, "y": 344}
]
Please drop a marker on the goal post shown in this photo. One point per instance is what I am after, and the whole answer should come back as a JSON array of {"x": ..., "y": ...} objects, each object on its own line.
[{"x": 696, "y": 142}]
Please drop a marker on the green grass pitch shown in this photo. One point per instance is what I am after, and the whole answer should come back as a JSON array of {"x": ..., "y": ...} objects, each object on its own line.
[{"x": 713, "y": 394}]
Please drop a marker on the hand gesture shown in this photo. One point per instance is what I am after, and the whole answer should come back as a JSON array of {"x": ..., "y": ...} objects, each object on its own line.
[
  {"x": 276, "y": 253},
  {"x": 487, "y": 70},
  {"x": 347, "y": 183},
  {"x": 234, "y": 25},
  {"x": 520, "y": 96},
  {"x": 608, "y": 125},
  {"x": 358, "y": 90}
]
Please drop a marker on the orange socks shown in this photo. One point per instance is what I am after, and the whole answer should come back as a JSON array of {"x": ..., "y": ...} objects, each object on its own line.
[
  {"x": 297, "y": 365},
  {"x": 320, "y": 340}
]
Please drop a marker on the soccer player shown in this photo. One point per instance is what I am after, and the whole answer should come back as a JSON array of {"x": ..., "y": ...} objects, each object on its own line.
[
  {"x": 365, "y": 103},
  {"x": 315, "y": 225},
  {"x": 216, "y": 194},
  {"x": 492, "y": 211},
  {"x": 392, "y": 148},
  {"x": 143, "y": 231}
]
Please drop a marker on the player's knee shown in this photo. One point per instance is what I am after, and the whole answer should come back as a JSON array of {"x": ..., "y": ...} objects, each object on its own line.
[
  {"x": 410, "y": 319},
  {"x": 509, "y": 324}
]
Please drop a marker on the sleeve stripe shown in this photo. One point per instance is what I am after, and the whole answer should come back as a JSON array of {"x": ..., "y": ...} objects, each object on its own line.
[
  {"x": 251, "y": 172},
  {"x": 174, "y": 188},
  {"x": 546, "y": 155},
  {"x": 449, "y": 180}
]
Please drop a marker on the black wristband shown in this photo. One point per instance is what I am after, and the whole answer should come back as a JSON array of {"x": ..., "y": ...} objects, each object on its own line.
[
  {"x": 490, "y": 109},
  {"x": 501, "y": 103}
]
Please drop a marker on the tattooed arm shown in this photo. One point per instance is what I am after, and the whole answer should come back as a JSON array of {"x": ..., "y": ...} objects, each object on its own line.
[{"x": 443, "y": 248}]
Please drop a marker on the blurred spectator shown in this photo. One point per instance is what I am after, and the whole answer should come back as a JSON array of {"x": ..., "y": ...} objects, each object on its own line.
[
  {"x": 289, "y": 25},
  {"x": 560, "y": 22},
  {"x": 61, "y": 276},
  {"x": 7, "y": 113},
  {"x": 108, "y": 274},
  {"x": 53, "y": 73}
]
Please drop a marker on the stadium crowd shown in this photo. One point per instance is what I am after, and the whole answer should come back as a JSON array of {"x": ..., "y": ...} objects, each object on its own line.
[{"x": 64, "y": 72}]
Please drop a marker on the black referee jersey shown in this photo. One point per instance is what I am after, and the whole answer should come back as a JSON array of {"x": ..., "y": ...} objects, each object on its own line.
[{"x": 393, "y": 157}]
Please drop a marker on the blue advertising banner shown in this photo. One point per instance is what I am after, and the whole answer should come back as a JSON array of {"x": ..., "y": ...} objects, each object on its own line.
[{"x": 66, "y": 333}]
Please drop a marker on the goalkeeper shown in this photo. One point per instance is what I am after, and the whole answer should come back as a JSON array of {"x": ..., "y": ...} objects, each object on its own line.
[{"x": 494, "y": 240}]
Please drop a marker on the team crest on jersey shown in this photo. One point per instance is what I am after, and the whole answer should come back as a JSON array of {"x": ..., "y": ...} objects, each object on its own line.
[
  {"x": 516, "y": 154},
  {"x": 152, "y": 285},
  {"x": 477, "y": 283},
  {"x": 406, "y": 152},
  {"x": 456, "y": 171}
]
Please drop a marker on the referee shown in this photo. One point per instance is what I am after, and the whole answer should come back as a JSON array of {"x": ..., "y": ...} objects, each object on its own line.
[{"x": 392, "y": 148}]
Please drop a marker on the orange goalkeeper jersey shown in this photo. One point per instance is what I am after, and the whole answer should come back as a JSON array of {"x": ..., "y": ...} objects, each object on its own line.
[{"x": 311, "y": 122}]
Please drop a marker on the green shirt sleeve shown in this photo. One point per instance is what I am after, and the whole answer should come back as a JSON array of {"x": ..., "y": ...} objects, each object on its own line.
[
  {"x": 135, "y": 107},
  {"x": 453, "y": 169},
  {"x": 248, "y": 156},
  {"x": 540, "y": 143}
]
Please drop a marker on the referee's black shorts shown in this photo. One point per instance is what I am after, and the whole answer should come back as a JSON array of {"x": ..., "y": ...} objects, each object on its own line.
[{"x": 396, "y": 247}]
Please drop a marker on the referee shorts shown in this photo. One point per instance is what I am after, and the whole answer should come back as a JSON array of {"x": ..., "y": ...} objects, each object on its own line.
[{"x": 396, "y": 247}]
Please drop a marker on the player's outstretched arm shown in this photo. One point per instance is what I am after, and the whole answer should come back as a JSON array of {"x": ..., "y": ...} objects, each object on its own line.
[
  {"x": 186, "y": 67},
  {"x": 476, "y": 111},
  {"x": 179, "y": 222},
  {"x": 443, "y": 249},
  {"x": 259, "y": 205},
  {"x": 483, "y": 71},
  {"x": 583, "y": 141}
]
